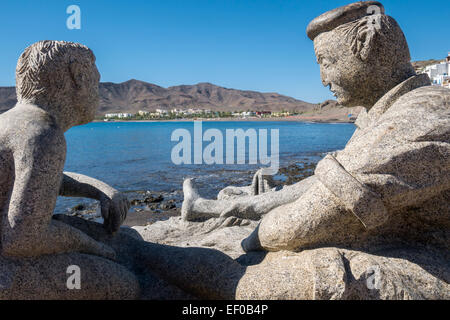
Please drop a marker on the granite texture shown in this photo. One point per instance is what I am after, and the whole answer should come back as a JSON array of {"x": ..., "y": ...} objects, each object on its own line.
[
  {"x": 243, "y": 202},
  {"x": 342, "y": 15},
  {"x": 382, "y": 199},
  {"x": 57, "y": 88},
  {"x": 342, "y": 274},
  {"x": 223, "y": 234},
  {"x": 359, "y": 63},
  {"x": 364, "y": 195},
  {"x": 185, "y": 272}
]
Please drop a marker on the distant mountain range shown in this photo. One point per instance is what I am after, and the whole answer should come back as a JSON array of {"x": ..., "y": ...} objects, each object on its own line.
[
  {"x": 133, "y": 95},
  {"x": 7, "y": 98}
]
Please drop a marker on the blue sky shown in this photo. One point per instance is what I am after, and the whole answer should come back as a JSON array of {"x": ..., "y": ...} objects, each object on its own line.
[{"x": 255, "y": 45}]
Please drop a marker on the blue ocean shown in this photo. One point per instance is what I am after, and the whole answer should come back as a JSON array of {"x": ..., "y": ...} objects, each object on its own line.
[{"x": 136, "y": 156}]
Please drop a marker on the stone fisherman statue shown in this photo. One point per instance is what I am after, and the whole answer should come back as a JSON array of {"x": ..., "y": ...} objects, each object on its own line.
[
  {"x": 393, "y": 173},
  {"x": 376, "y": 210}
]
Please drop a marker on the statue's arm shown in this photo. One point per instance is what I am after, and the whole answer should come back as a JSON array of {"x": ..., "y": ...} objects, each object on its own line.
[
  {"x": 411, "y": 173},
  {"x": 423, "y": 172},
  {"x": 114, "y": 205},
  {"x": 78, "y": 185}
]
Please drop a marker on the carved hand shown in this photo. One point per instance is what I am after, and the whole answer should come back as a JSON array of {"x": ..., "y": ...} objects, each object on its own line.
[{"x": 114, "y": 207}]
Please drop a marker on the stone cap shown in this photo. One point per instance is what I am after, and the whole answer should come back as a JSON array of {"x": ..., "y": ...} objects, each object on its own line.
[{"x": 336, "y": 17}]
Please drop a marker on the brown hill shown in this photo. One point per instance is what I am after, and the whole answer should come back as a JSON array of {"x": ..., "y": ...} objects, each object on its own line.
[
  {"x": 7, "y": 98},
  {"x": 133, "y": 95}
]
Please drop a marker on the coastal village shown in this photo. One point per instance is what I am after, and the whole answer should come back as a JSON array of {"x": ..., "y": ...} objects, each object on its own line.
[
  {"x": 345, "y": 115},
  {"x": 193, "y": 113},
  {"x": 439, "y": 74}
]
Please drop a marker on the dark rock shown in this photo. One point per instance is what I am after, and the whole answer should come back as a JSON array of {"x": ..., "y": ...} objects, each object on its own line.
[
  {"x": 168, "y": 205},
  {"x": 79, "y": 207},
  {"x": 152, "y": 206},
  {"x": 154, "y": 199},
  {"x": 135, "y": 202}
]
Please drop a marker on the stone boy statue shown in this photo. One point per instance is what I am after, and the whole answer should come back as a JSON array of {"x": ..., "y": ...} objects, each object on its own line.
[{"x": 57, "y": 88}]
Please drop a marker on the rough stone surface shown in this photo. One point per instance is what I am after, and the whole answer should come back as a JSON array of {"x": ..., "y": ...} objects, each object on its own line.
[
  {"x": 384, "y": 197},
  {"x": 342, "y": 15},
  {"x": 363, "y": 59},
  {"x": 223, "y": 234},
  {"x": 57, "y": 88},
  {"x": 390, "y": 175},
  {"x": 46, "y": 278},
  {"x": 340, "y": 274},
  {"x": 241, "y": 202}
]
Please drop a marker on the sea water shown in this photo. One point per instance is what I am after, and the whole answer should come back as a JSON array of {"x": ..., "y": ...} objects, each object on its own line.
[{"x": 136, "y": 156}]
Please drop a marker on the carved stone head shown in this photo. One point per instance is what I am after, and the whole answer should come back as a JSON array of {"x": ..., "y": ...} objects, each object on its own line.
[
  {"x": 361, "y": 51},
  {"x": 60, "y": 77}
]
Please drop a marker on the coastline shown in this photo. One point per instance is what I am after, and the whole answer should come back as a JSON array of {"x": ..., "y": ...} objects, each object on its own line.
[{"x": 253, "y": 119}]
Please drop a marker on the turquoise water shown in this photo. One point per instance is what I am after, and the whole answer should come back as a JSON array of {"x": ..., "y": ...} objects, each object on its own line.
[{"x": 133, "y": 156}]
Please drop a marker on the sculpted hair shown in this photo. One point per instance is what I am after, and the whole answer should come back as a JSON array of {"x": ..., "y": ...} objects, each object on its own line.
[
  {"x": 374, "y": 35},
  {"x": 45, "y": 70}
]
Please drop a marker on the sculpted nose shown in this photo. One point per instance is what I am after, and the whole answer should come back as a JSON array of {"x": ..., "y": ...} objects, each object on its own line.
[{"x": 324, "y": 78}]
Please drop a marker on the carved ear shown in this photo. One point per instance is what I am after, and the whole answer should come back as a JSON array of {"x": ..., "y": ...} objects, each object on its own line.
[{"x": 363, "y": 39}]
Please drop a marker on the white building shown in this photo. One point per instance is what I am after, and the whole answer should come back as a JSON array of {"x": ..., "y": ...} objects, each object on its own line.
[
  {"x": 143, "y": 113},
  {"x": 118, "y": 115},
  {"x": 248, "y": 114},
  {"x": 161, "y": 111},
  {"x": 111, "y": 115},
  {"x": 439, "y": 73}
]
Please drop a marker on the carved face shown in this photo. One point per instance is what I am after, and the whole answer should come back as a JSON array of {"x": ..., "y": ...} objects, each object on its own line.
[
  {"x": 87, "y": 94},
  {"x": 342, "y": 71}
]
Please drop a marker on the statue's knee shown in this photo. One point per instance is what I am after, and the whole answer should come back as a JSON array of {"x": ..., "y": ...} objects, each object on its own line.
[
  {"x": 112, "y": 280},
  {"x": 277, "y": 231}
]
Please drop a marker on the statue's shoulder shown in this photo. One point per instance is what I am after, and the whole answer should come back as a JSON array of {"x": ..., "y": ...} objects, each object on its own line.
[
  {"x": 423, "y": 102},
  {"x": 432, "y": 90},
  {"x": 422, "y": 114},
  {"x": 428, "y": 95},
  {"x": 25, "y": 125}
]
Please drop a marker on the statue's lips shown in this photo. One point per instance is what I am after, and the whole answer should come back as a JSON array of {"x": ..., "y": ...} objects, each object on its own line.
[{"x": 334, "y": 91}]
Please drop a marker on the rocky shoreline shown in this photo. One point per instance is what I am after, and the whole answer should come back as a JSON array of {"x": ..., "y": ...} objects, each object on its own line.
[{"x": 148, "y": 206}]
